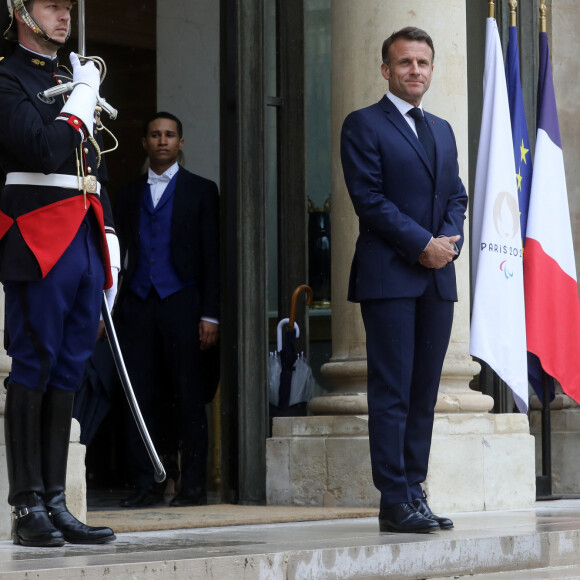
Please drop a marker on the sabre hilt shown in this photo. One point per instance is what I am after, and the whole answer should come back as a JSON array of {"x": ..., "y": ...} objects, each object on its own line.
[
  {"x": 68, "y": 87},
  {"x": 98, "y": 62}
]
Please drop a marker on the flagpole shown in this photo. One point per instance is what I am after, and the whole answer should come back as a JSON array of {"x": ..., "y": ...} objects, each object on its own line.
[
  {"x": 544, "y": 481},
  {"x": 513, "y": 14},
  {"x": 543, "y": 27},
  {"x": 491, "y": 9}
]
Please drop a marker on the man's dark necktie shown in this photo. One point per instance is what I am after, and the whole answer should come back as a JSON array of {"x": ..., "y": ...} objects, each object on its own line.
[{"x": 424, "y": 134}]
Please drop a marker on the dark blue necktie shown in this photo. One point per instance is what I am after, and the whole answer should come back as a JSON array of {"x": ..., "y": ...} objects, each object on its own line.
[{"x": 424, "y": 134}]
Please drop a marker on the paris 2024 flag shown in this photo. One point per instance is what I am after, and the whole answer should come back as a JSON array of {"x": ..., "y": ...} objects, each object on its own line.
[
  {"x": 551, "y": 288},
  {"x": 498, "y": 330}
]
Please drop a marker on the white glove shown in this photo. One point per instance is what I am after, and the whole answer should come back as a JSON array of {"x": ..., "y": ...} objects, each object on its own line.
[
  {"x": 115, "y": 261},
  {"x": 83, "y": 99},
  {"x": 86, "y": 73},
  {"x": 111, "y": 293},
  {"x": 114, "y": 250}
]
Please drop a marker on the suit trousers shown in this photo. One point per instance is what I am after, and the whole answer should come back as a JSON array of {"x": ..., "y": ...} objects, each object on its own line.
[
  {"x": 407, "y": 339},
  {"x": 160, "y": 342}
]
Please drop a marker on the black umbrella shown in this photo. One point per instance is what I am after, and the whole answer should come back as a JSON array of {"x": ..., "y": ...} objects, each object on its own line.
[
  {"x": 93, "y": 399},
  {"x": 288, "y": 356},
  {"x": 283, "y": 365}
]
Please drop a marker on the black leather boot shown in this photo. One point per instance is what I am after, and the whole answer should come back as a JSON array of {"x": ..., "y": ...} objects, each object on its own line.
[
  {"x": 56, "y": 422},
  {"x": 31, "y": 525},
  {"x": 74, "y": 531}
]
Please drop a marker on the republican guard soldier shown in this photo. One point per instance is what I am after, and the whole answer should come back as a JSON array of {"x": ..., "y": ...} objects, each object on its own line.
[{"x": 58, "y": 251}]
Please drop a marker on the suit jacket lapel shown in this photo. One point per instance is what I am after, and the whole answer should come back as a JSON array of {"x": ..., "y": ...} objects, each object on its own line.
[{"x": 394, "y": 116}]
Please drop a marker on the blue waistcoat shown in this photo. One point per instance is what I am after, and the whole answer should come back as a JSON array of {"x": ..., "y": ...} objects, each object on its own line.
[{"x": 154, "y": 266}]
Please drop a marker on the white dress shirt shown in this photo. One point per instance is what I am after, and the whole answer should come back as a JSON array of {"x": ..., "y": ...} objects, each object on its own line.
[
  {"x": 404, "y": 108},
  {"x": 158, "y": 183}
]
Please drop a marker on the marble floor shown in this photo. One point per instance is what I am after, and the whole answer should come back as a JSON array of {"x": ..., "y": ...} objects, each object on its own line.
[{"x": 532, "y": 544}]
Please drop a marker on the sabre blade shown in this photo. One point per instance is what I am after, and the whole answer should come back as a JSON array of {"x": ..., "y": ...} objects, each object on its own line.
[
  {"x": 126, "y": 382},
  {"x": 81, "y": 24}
]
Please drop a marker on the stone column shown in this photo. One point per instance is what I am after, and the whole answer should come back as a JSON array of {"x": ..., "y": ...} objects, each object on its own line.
[{"x": 469, "y": 445}]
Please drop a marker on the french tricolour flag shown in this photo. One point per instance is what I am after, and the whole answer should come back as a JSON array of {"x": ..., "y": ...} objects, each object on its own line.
[{"x": 550, "y": 284}]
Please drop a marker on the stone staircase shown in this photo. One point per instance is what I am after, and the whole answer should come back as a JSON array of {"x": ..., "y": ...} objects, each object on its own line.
[
  {"x": 556, "y": 573},
  {"x": 543, "y": 542}
]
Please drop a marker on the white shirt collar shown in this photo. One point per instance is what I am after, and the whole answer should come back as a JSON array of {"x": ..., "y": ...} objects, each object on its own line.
[
  {"x": 38, "y": 53},
  {"x": 401, "y": 105},
  {"x": 165, "y": 177}
]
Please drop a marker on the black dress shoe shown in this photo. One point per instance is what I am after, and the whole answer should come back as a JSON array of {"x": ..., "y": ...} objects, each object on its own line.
[
  {"x": 404, "y": 518},
  {"x": 75, "y": 532},
  {"x": 187, "y": 497},
  {"x": 143, "y": 497},
  {"x": 423, "y": 508}
]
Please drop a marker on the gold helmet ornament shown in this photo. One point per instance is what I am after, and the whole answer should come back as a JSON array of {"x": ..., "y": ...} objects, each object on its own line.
[{"x": 19, "y": 6}]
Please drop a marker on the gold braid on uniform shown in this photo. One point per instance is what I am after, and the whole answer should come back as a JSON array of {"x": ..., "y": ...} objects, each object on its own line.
[
  {"x": 101, "y": 127},
  {"x": 97, "y": 149}
]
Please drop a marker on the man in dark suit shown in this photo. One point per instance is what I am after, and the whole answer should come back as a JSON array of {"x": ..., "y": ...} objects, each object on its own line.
[
  {"x": 402, "y": 175},
  {"x": 168, "y": 308}
]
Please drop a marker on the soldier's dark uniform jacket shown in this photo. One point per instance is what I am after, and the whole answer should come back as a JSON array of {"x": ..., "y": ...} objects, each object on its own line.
[
  {"x": 38, "y": 222},
  {"x": 53, "y": 242}
]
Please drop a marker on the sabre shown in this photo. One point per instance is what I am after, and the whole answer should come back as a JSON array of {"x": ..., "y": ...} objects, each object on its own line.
[
  {"x": 107, "y": 319},
  {"x": 66, "y": 87},
  {"x": 126, "y": 382}
]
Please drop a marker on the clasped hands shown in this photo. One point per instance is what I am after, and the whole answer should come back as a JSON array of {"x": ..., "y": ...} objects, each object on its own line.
[{"x": 439, "y": 252}]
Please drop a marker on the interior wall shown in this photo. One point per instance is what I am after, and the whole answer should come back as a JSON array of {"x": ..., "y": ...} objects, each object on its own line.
[{"x": 188, "y": 75}]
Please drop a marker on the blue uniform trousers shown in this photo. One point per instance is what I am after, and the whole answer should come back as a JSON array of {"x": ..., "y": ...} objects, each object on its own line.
[{"x": 52, "y": 324}]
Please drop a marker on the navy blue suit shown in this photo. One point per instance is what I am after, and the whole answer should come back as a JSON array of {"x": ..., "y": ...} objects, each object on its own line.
[{"x": 401, "y": 202}]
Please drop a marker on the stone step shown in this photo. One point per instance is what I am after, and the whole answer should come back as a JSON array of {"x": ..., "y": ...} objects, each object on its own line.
[
  {"x": 544, "y": 540},
  {"x": 557, "y": 573}
]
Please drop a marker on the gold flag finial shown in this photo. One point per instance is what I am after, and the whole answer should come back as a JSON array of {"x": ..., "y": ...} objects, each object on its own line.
[
  {"x": 513, "y": 14},
  {"x": 491, "y": 11},
  {"x": 543, "y": 27}
]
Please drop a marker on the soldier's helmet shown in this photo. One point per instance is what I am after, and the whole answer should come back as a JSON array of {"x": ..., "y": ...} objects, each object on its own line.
[{"x": 9, "y": 28}]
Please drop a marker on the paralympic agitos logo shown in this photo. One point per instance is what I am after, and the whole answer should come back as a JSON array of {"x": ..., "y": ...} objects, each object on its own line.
[{"x": 506, "y": 222}]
